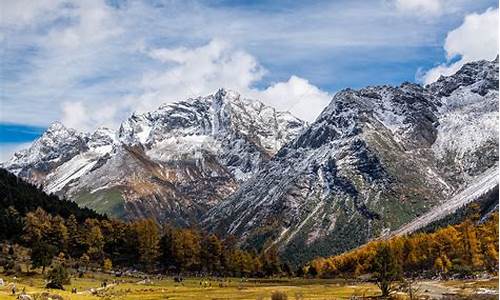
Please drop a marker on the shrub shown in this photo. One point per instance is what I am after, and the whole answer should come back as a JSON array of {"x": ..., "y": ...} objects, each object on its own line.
[
  {"x": 58, "y": 277},
  {"x": 107, "y": 265},
  {"x": 279, "y": 296}
]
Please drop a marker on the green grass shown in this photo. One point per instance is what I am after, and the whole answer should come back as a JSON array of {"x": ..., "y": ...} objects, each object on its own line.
[
  {"x": 234, "y": 289},
  {"x": 191, "y": 289},
  {"x": 108, "y": 201}
]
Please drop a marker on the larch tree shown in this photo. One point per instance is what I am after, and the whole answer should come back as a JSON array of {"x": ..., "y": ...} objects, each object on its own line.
[{"x": 148, "y": 236}]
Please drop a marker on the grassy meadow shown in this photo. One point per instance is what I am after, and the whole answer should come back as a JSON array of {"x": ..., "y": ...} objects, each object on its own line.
[{"x": 233, "y": 288}]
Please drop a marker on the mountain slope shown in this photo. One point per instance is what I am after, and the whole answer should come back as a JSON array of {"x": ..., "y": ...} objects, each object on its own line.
[
  {"x": 375, "y": 159},
  {"x": 18, "y": 197},
  {"x": 171, "y": 164},
  {"x": 479, "y": 187}
]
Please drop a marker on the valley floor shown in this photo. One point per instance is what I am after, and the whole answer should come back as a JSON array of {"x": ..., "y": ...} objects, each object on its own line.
[{"x": 235, "y": 288}]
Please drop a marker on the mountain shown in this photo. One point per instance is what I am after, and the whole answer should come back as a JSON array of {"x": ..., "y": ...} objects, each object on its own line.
[
  {"x": 172, "y": 164},
  {"x": 17, "y": 198},
  {"x": 378, "y": 161},
  {"x": 374, "y": 160}
]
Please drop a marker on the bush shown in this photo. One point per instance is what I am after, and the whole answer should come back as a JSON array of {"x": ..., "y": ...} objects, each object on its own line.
[
  {"x": 107, "y": 265},
  {"x": 58, "y": 277},
  {"x": 279, "y": 296},
  {"x": 462, "y": 271}
]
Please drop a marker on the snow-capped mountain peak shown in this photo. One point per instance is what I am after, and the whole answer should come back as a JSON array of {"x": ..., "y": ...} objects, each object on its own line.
[
  {"x": 182, "y": 157},
  {"x": 375, "y": 159}
]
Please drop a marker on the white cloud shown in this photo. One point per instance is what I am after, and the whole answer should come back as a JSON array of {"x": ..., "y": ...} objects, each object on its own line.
[
  {"x": 107, "y": 60},
  {"x": 198, "y": 71},
  {"x": 202, "y": 70},
  {"x": 475, "y": 39},
  {"x": 185, "y": 72},
  {"x": 95, "y": 22},
  {"x": 23, "y": 12},
  {"x": 428, "y": 7},
  {"x": 298, "y": 96},
  {"x": 74, "y": 114}
]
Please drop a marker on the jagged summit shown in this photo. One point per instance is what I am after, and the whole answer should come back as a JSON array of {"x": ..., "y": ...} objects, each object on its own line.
[
  {"x": 482, "y": 76},
  {"x": 170, "y": 163},
  {"x": 56, "y": 146},
  {"x": 375, "y": 159}
]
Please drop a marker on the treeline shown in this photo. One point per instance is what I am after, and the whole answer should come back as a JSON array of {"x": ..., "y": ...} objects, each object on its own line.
[
  {"x": 55, "y": 230},
  {"x": 461, "y": 249},
  {"x": 142, "y": 245},
  {"x": 18, "y": 197},
  {"x": 484, "y": 205}
]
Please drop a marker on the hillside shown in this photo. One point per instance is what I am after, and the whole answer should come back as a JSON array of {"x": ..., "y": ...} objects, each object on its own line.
[
  {"x": 171, "y": 164},
  {"x": 374, "y": 160},
  {"x": 460, "y": 250},
  {"x": 18, "y": 197},
  {"x": 377, "y": 161}
]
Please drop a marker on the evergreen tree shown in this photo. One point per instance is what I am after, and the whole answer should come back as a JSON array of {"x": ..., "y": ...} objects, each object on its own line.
[
  {"x": 75, "y": 243},
  {"x": 212, "y": 253},
  {"x": 312, "y": 271},
  {"x": 94, "y": 240},
  {"x": 58, "y": 234},
  {"x": 271, "y": 262},
  {"x": 148, "y": 237},
  {"x": 385, "y": 269},
  {"x": 42, "y": 254}
]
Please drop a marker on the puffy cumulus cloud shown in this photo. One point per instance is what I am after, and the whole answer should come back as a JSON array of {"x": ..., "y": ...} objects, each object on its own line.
[
  {"x": 475, "y": 39},
  {"x": 124, "y": 55},
  {"x": 191, "y": 72},
  {"x": 77, "y": 114},
  {"x": 426, "y": 7},
  {"x": 181, "y": 73},
  {"x": 296, "y": 95},
  {"x": 94, "y": 21},
  {"x": 64, "y": 52}
]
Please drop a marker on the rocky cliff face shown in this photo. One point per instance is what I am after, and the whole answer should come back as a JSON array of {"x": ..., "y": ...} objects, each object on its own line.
[
  {"x": 56, "y": 146},
  {"x": 375, "y": 159},
  {"x": 172, "y": 164}
]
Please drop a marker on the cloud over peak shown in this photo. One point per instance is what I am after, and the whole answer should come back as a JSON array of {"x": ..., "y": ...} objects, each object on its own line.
[
  {"x": 475, "y": 39},
  {"x": 185, "y": 72}
]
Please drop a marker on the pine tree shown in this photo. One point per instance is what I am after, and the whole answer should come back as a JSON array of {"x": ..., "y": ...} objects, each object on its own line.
[
  {"x": 42, "y": 254},
  {"x": 37, "y": 226},
  {"x": 472, "y": 247},
  {"x": 312, "y": 271},
  {"x": 385, "y": 269},
  {"x": 148, "y": 237},
  {"x": 58, "y": 277},
  {"x": 94, "y": 240},
  {"x": 271, "y": 261},
  {"x": 438, "y": 265},
  {"x": 58, "y": 234},
  {"x": 85, "y": 260},
  {"x": 212, "y": 253},
  {"x": 75, "y": 243},
  {"x": 186, "y": 249}
]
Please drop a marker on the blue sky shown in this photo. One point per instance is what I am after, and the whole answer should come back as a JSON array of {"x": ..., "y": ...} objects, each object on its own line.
[{"x": 94, "y": 62}]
